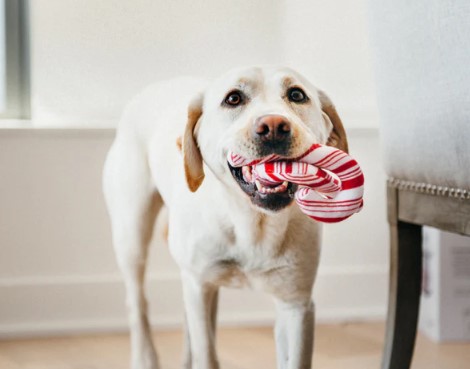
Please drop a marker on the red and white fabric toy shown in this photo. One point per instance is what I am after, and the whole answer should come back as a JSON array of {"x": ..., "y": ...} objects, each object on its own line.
[{"x": 331, "y": 183}]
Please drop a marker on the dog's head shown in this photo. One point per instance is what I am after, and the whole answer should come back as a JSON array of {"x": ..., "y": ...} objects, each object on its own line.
[{"x": 257, "y": 112}]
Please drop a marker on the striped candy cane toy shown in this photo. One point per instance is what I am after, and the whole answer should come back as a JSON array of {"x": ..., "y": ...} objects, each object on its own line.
[{"x": 331, "y": 183}]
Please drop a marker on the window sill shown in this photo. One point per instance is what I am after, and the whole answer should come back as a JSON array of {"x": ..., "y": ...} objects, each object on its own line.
[
  {"x": 23, "y": 128},
  {"x": 15, "y": 123},
  {"x": 28, "y": 124}
]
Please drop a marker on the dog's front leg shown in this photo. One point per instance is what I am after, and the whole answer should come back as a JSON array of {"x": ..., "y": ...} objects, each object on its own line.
[
  {"x": 294, "y": 334},
  {"x": 199, "y": 304}
]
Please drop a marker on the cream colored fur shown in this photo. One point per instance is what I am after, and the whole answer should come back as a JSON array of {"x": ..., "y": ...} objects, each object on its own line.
[{"x": 217, "y": 237}]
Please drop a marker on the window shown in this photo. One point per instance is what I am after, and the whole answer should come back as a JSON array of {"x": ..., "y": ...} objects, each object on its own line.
[{"x": 14, "y": 60}]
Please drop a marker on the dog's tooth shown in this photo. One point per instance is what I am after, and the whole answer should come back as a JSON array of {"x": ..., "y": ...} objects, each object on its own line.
[
  {"x": 259, "y": 186},
  {"x": 285, "y": 183},
  {"x": 247, "y": 174},
  {"x": 280, "y": 188}
]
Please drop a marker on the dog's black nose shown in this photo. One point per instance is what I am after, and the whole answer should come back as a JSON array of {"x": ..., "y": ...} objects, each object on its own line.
[{"x": 271, "y": 127}]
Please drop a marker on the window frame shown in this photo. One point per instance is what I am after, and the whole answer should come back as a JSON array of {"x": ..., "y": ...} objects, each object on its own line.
[{"x": 17, "y": 68}]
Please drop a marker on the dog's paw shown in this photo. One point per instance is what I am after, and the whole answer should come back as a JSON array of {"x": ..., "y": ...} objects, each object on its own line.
[{"x": 145, "y": 360}]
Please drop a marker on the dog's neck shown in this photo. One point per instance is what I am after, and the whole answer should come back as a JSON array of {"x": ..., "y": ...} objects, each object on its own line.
[{"x": 248, "y": 223}]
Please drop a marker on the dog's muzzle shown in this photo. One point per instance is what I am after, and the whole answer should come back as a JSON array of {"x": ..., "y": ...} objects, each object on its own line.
[{"x": 272, "y": 134}]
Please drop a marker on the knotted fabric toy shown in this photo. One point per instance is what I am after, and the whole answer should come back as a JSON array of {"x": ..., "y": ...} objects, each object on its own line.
[{"x": 331, "y": 183}]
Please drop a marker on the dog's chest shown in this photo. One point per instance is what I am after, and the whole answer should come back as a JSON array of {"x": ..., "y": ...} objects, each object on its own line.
[
  {"x": 227, "y": 272},
  {"x": 245, "y": 254},
  {"x": 231, "y": 272}
]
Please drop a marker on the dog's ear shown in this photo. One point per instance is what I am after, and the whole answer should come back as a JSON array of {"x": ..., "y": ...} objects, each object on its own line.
[
  {"x": 337, "y": 137},
  {"x": 193, "y": 165}
]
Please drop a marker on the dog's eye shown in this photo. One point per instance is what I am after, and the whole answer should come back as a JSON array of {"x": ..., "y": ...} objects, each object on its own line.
[
  {"x": 296, "y": 95},
  {"x": 234, "y": 99}
]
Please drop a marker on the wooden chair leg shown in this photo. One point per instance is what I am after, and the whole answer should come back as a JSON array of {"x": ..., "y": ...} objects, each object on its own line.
[{"x": 404, "y": 294}]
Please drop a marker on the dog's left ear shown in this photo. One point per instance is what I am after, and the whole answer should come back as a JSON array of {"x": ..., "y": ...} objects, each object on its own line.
[
  {"x": 193, "y": 165},
  {"x": 337, "y": 137}
]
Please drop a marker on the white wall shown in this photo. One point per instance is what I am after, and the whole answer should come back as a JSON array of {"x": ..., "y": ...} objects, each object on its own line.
[
  {"x": 57, "y": 267},
  {"x": 89, "y": 57},
  {"x": 328, "y": 42}
]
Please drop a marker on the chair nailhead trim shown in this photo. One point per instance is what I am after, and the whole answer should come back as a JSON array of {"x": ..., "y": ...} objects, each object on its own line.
[{"x": 429, "y": 188}]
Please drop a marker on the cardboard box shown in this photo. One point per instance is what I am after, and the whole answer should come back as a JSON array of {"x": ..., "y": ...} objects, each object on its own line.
[{"x": 445, "y": 298}]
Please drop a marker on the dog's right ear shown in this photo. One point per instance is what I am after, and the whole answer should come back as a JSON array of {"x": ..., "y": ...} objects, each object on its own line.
[{"x": 193, "y": 164}]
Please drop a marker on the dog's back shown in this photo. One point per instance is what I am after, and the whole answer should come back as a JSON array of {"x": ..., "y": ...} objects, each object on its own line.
[{"x": 148, "y": 133}]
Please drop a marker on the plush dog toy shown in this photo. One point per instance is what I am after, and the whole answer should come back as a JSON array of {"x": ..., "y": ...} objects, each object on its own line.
[{"x": 331, "y": 183}]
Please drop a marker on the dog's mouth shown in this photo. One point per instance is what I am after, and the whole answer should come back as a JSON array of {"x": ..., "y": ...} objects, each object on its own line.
[{"x": 273, "y": 197}]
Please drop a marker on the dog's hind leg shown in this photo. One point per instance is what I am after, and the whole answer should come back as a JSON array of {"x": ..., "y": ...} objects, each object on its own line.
[{"x": 133, "y": 204}]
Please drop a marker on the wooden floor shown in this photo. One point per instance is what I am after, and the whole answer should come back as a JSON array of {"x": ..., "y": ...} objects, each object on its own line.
[{"x": 347, "y": 346}]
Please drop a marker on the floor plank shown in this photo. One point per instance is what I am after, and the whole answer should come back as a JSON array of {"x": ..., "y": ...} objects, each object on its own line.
[{"x": 352, "y": 346}]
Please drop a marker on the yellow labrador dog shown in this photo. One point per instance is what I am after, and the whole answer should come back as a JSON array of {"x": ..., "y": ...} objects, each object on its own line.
[{"x": 170, "y": 150}]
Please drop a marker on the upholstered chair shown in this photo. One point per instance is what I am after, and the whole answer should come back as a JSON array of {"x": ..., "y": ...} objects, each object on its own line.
[{"x": 421, "y": 55}]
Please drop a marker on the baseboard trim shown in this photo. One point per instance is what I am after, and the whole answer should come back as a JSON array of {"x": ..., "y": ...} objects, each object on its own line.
[
  {"x": 171, "y": 322},
  {"x": 68, "y": 305}
]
